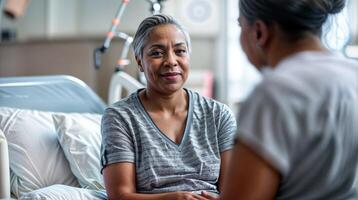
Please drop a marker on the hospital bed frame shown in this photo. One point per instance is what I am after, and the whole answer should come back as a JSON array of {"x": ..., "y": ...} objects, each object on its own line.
[{"x": 57, "y": 93}]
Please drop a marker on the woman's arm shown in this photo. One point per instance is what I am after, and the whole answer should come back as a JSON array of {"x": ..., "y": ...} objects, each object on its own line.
[
  {"x": 119, "y": 179},
  {"x": 250, "y": 176},
  {"x": 224, "y": 166},
  {"x": 225, "y": 161},
  {"x": 120, "y": 184}
]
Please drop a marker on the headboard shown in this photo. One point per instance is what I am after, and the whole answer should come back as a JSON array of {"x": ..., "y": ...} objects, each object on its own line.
[{"x": 58, "y": 93}]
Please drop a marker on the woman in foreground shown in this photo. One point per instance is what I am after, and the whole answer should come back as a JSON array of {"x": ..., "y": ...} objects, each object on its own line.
[
  {"x": 298, "y": 133},
  {"x": 165, "y": 141}
]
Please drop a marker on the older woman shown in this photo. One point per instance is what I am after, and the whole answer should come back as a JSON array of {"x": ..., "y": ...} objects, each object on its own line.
[
  {"x": 165, "y": 141},
  {"x": 298, "y": 133}
]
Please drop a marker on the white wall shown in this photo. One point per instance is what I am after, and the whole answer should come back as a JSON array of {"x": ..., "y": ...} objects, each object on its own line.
[
  {"x": 63, "y": 18},
  {"x": 94, "y": 17},
  {"x": 353, "y": 10}
]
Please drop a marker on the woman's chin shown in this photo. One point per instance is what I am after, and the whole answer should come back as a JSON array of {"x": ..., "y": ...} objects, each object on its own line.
[{"x": 172, "y": 88}]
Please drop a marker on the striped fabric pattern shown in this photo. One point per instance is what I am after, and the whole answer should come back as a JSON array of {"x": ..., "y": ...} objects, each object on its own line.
[{"x": 130, "y": 135}]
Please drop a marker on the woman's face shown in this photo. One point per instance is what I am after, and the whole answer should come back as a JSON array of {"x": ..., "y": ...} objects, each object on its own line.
[
  {"x": 248, "y": 41},
  {"x": 165, "y": 60}
]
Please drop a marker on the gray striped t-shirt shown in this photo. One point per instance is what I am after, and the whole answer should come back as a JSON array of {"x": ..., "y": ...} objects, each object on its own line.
[{"x": 129, "y": 135}]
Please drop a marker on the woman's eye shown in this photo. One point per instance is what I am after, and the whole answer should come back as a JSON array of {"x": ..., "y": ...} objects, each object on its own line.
[
  {"x": 180, "y": 51},
  {"x": 155, "y": 53}
]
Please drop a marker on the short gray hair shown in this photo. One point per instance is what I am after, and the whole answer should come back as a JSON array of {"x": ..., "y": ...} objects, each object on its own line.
[{"x": 146, "y": 27}]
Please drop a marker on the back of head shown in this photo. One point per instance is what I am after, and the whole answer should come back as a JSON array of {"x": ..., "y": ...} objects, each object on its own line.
[
  {"x": 295, "y": 17},
  {"x": 147, "y": 25}
]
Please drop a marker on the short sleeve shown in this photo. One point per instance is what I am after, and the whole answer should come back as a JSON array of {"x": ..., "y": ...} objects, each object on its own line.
[
  {"x": 227, "y": 129},
  {"x": 117, "y": 140},
  {"x": 264, "y": 119}
]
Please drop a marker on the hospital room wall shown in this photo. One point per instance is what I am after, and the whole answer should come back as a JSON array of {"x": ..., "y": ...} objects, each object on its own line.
[
  {"x": 74, "y": 57},
  {"x": 52, "y": 29},
  {"x": 53, "y": 18}
]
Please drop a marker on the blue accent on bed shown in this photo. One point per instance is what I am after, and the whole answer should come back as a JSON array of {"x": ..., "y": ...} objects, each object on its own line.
[{"x": 57, "y": 93}]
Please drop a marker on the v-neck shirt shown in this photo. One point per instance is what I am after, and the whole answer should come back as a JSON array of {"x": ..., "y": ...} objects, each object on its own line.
[
  {"x": 159, "y": 132},
  {"x": 130, "y": 135}
]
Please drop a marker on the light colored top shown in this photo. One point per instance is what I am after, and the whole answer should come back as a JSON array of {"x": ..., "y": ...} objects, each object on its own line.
[
  {"x": 129, "y": 135},
  {"x": 303, "y": 119}
]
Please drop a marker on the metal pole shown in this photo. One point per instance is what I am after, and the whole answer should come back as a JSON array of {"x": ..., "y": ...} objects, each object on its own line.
[
  {"x": 115, "y": 23},
  {"x": 111, "y": 33}
]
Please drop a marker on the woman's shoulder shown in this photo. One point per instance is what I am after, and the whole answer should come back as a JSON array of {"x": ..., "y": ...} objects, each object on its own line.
[
  {"x": 307, "y": 74},
  {"x": 207, "y": 103}
]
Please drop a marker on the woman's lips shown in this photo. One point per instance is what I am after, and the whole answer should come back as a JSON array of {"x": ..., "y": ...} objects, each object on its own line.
[{"x": 171, "y": 76}]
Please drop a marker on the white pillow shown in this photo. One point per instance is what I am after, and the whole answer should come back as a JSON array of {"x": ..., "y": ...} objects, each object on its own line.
[
  {"x": 80, "y": 138},
  {"x": 35, "y": 156},
  {"x": 4, "y": 167},
  {"x": 64, "y": 192}
]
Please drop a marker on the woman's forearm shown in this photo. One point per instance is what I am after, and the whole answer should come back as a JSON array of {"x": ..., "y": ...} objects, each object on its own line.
[
  {"x": 159, "y": 196},
  {"x": 138, "y": 196}
]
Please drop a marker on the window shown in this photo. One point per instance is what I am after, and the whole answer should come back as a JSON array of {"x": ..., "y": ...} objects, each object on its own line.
[{"x": 242, "y": 75}]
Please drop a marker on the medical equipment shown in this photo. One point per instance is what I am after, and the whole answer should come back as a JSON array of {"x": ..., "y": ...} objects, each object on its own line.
[{"x": 120, "y": 79}]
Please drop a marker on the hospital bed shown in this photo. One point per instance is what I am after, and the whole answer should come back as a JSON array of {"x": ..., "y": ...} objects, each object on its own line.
[{"x": 54, "y": 94}]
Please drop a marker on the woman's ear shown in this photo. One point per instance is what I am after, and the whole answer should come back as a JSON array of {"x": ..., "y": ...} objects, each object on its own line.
[
  {"x": 139, "y": 62},
  {"x": 262, "y": 33}
]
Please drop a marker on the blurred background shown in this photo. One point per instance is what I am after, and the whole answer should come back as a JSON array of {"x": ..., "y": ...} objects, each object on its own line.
[{"x": 45, "y": 37}]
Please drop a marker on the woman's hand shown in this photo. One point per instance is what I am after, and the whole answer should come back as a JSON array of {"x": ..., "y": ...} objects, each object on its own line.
[
  {"x": 190, "y": 196},
  {"x": 209, "y": 196}
]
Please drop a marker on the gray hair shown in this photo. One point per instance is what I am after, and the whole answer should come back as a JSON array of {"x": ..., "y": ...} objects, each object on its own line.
[
  {"x": 294, "y": 16},
  {"x": 146, "y": 27}
]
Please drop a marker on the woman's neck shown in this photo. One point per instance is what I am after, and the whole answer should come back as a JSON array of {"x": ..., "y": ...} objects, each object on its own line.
[
  {"x": 280, "y": 50},
  {"x": 173, "y": 103}
]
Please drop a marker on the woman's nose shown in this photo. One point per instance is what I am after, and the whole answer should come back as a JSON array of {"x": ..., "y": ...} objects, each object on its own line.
[{"x": 171, "y": 59}]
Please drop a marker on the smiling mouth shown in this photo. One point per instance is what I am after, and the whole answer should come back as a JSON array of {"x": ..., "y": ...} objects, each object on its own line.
[{"x": 170, "y": 75}]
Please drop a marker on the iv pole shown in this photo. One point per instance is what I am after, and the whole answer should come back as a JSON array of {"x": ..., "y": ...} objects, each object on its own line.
[{"x": 120, "y": 79}]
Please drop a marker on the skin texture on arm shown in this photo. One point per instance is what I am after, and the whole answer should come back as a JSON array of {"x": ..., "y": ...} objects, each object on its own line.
[
  {"x": 120, "y": 184},
  {"x": 224, "y": 166},
  {"x": 119, "y": 179},
  {"x": 251, "y": 177}
]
